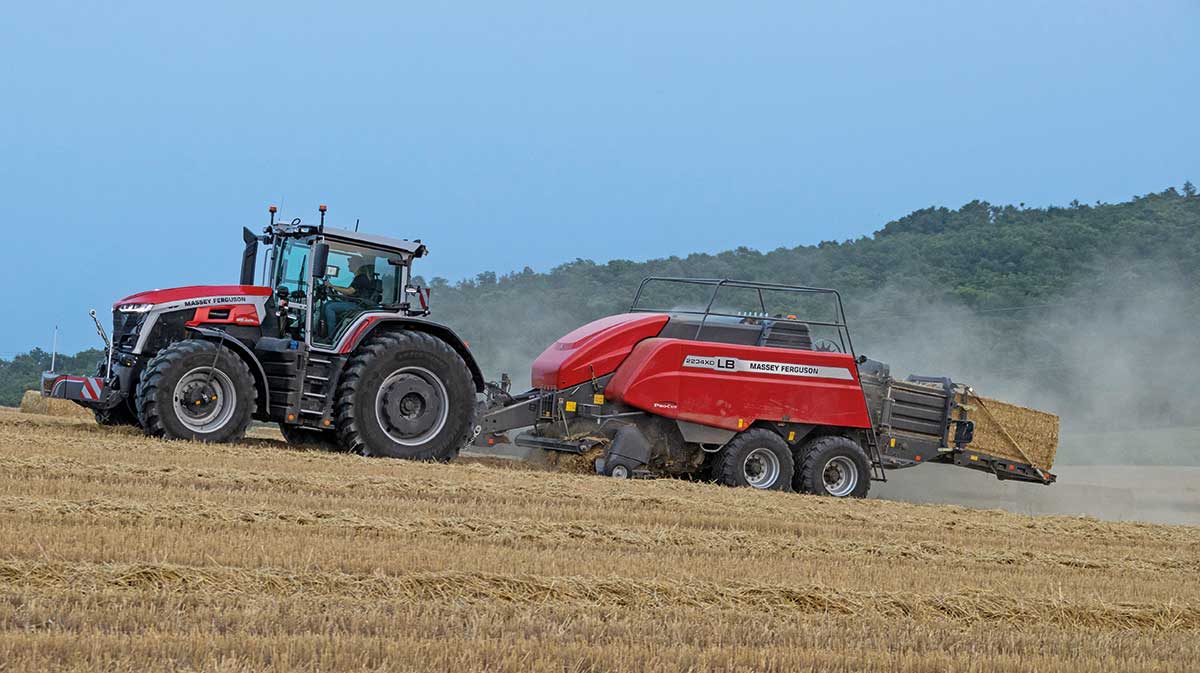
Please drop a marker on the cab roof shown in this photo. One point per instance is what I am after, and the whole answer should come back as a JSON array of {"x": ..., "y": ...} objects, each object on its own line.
[{"x": 401, "y": 245}]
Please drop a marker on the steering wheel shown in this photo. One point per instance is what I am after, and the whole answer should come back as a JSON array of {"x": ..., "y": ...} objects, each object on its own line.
[{"x": 827, "y": 346}]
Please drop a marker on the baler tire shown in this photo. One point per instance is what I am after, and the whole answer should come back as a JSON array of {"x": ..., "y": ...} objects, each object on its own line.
[
  {"x": 820, "y": 453},
  {"x": 379, "y": 369},
  {"x": 156, "y": 391},
  {"x": 731, "y": 465},
  {"x": 296, "y": 435}
]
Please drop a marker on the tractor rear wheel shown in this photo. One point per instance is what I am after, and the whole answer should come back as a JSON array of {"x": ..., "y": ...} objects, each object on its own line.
[
  {"x": 836, "y": 466},
  {"x": 406, "y": 395},
  {"x": 757, "y": 458},
  {"x": 196, "y": 390}
]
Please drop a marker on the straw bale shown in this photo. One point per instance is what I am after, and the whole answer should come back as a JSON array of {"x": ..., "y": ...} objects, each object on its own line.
[
  {"x": 1007, "y": 430},
  {"x": 32, "y": 402}
]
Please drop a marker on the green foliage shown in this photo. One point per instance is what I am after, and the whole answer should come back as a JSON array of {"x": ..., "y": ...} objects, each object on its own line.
[{"x": 24, "y": 372}]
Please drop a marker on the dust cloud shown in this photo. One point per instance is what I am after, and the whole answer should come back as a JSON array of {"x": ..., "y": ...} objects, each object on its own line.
[{"x": 1117, "y": 360}]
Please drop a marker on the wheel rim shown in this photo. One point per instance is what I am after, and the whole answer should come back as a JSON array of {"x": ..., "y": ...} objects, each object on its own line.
[
  {"x": 761, "y": 468},
  {"x": 205, "y": 399},
  {"x": 412, "y": 406},
  {"x": 840, "y": 476},
  {"x": 620, "y": 472}
]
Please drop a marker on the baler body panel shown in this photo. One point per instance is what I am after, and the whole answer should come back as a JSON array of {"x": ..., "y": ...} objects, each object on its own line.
[
  {"x": 593, "y": 350},
  {"x": 731, "y": 386}
]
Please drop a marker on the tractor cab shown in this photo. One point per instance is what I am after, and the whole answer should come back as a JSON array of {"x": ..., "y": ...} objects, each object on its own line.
[{"x": 324, "y": 279}]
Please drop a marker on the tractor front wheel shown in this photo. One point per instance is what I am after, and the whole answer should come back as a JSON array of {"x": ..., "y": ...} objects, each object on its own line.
[
  {"x": 196, "y": 390},
  {"x": 406, "y": 395},
  {"x": 757, "y": 458}
]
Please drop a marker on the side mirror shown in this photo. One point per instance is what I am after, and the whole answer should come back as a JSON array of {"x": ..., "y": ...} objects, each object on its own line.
[
  {"x": 320, "y": 261},
  {"x": 249, "y": 256}
]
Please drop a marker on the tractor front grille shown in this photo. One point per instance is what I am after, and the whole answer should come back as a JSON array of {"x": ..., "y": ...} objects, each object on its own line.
[{"x": 126, "y": 327}]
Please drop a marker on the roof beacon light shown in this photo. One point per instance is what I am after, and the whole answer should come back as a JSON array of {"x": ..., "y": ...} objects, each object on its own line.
[
  {"x": 272, "y": 210},
  {"x": 322, "y": 209}
]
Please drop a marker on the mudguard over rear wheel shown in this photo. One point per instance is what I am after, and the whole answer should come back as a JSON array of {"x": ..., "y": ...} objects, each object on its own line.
[
  {"x": 406, "y": 395},
  {"x": 836, "y": 466},
  {"x": 757, "y": 458},
  {"x": 196, "y": 390}
]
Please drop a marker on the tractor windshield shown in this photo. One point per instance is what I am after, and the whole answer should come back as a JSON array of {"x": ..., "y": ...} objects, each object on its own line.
[
  {"x": 357, "y": 279},
  {"x": 291, "y": 268}
]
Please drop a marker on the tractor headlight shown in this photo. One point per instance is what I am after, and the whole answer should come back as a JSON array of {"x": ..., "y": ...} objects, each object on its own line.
[{"x": 134, "y": 308}]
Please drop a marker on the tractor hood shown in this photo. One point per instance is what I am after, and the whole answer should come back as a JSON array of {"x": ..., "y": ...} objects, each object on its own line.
[
  {"x": 594, "y": 350},
  {"x": 195, "y": 295}
]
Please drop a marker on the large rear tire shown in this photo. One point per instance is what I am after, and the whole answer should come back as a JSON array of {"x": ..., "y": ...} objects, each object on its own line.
[
  {"x": 406, "y": 395},
  {"x": 757, "y": 458},
  {"x": 196, "y": 390},
  {"x": 835, "y": 466}
]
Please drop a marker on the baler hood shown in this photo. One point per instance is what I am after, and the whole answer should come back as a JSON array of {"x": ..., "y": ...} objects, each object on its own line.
[{"x": 594, "y": 350}]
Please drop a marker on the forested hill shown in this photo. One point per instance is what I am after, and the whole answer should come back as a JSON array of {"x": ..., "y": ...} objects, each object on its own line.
[{"x": 1025, "y": 299}]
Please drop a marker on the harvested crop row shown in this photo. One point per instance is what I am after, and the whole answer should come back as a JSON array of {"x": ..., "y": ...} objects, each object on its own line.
[
  {"x": 677, "y": 502},
  {"x": 554, "y": 535},
  {"x": 607, "y": 592}
]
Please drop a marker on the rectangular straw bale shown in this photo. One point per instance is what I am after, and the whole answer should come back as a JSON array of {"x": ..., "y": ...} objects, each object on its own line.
[
  {"x": 1007, "y": 430},
  {"x": 32, "y": 402}
]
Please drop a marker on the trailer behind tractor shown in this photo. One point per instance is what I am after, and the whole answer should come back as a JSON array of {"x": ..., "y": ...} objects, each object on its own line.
[{"x": 770, "y": 395}]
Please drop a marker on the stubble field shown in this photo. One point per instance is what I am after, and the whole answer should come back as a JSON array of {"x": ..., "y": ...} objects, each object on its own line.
[{"x": 122, "y": 553}]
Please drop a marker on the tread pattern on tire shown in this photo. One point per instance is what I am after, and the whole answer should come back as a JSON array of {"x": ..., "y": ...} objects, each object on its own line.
[
  {"x": 377, "y": 346},
  {"x": 150, "y": 416},
  {"x": 816, "y": 450},
  {"x": 728, "y": 468}
]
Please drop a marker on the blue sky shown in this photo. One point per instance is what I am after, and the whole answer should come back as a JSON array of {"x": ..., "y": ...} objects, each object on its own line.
[{"x": 137, "y": 139}]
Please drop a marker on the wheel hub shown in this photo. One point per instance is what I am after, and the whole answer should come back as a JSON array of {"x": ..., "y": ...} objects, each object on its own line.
[
  {"x": 411, "y": 406},
  {"x": 198, "y": 398},
  {"x": 204, "y": 399},
  {"x": 761, "y": 468},
  {"x": 840, "y": 476}
]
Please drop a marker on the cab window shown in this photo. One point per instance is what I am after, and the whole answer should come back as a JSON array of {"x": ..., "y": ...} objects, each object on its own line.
[{"x": 356, "y": 280}]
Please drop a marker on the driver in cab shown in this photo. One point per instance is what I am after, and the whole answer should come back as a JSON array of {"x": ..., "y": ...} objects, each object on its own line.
[{"x": 361, "y": 293}]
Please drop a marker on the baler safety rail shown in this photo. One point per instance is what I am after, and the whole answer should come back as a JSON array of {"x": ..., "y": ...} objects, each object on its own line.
[
  {"x": 844, "y": 343},
  {"x": 1005, "y": 469}
]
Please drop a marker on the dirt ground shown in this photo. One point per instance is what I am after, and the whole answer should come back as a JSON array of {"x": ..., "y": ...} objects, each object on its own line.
[
  {"x": 123, "y": 553},
  {"x": 1157, "y": 494}
]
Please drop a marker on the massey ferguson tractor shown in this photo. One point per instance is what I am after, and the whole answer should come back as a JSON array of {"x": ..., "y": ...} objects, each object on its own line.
[
  {"x": 334, "y": 345},
  {"x": 686, "y": 384}
]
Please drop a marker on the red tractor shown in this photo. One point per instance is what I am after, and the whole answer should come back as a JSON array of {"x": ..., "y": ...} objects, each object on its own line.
[
  {"x": 334, "y": 345},
  {"x": 723, "y": 380}
]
